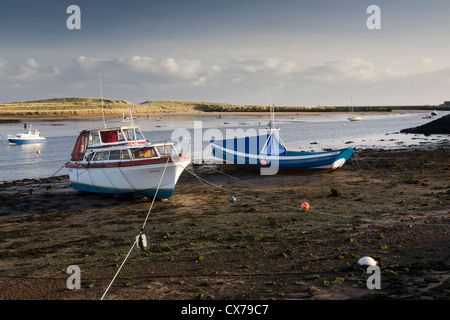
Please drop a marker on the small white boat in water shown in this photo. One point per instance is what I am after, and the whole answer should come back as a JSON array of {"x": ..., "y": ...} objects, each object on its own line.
[
  {"x": 32, "y": 136},
  {"x": 119, "y": 160},
  {"x": 355, "y": 118}
]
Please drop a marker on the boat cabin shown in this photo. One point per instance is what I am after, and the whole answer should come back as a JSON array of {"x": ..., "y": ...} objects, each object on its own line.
[
  {"x": 95, "y": 138},
  {"x": 126, "y": 153},
  {"x": 115, "y": 135}
]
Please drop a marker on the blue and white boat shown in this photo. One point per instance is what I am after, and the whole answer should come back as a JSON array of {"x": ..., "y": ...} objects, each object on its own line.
[
  {"x": 268, "y": 151},
  {"x": 33, "y": 136}
]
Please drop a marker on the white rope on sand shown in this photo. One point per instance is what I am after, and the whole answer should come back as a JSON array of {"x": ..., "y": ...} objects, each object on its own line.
[
  {"x": 370, "y": 220},
  {"x": 140, "y": 233}
]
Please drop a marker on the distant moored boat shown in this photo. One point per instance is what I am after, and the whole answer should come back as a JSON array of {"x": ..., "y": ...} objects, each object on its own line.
[{"x": 32, "y": 136}]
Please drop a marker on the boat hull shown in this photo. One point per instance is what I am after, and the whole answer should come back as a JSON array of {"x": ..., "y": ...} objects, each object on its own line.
[
  {"x": 317, "y": 161},
  {"x": 26, "y": 141},
  {"x": 141, "y": 180}
]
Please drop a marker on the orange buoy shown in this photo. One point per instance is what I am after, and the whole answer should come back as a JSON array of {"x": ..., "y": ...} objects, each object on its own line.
[{"x": 305, "y": 206}]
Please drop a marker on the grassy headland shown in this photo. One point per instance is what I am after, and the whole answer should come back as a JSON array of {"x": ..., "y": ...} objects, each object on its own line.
[
  {"x": 86, "y": 107},
  {"x": 92, "y": 107}
]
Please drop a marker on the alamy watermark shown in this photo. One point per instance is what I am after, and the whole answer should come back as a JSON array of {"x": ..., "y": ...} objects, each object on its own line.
[
  {"x": 250, "y": 146},
  {"x": 74, "y": 20},
  {"x": 374, "y": 281},
  {"x": 74, "y": 280},
  {"x": 374, "y": 21}
]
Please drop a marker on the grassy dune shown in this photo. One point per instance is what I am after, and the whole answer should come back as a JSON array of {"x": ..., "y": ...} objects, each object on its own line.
[
  {"x": 62, "y": 107},
  {"x": 92, "y": 107},
  {"x": 85, "y": 107}
]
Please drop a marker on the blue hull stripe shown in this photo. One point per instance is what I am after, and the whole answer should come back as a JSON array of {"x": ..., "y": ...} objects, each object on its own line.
[
  {"x": 162, "y": 193},
  {"x": 288, "y": 161},
  {"x": 22, "y": 141}
]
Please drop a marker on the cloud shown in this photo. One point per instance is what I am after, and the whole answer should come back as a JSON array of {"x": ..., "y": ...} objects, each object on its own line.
[
  {"x": 426, "y": 61},
  {"x": 240, "y": 81},
  {"x": 271, "y": 65},
  {"x": 3, "y": 65},
  {"x": 147, "y": 69},
  {"x": 27, "y": 71},
  {"x": 342, "y": 69}
]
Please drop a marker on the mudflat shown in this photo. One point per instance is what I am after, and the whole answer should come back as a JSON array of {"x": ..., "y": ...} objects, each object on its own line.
[{"x": 391, "y": 205}]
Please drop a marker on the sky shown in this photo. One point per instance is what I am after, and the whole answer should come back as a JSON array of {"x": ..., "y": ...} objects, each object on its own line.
[{"x": 246, "y": 52}]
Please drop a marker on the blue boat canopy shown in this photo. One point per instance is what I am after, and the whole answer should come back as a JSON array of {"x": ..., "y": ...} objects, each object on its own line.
[
  {"x": 267, "y": 144},
  {"x": 274, "y": 146}
]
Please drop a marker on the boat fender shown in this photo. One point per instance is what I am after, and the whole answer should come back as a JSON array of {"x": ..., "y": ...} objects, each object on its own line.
[{"x": 142, "y": 241}]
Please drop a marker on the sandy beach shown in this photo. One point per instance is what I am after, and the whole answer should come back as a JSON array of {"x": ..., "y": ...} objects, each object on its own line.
[{"x": 392, "y": 205}]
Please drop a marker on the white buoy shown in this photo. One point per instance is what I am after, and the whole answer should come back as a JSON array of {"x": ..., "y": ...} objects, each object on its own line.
[{"x": 367, "y": 261}]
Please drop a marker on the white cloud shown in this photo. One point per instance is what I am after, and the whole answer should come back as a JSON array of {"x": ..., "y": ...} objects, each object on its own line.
[
  {"x": 240, "y": 81},
  {"x": 182, "y": 68},
  {"x": 426, "y": 61},
  {"x": 272, "y": 65},
  {"x": 3, "y": 65},
  {"x": 32, "y": 63},
  {"x": 147, "y": 69},
  {"x": 342, "y": 69},
  {"x": 30, "y": 70}
]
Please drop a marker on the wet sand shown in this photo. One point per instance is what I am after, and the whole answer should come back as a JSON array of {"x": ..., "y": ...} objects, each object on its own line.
[{"x": 392, "y": 205}]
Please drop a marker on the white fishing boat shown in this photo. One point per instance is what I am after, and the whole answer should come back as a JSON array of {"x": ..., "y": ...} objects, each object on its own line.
[
  {"x": 354, "y": 117},
  {"x": 119, "y": 160},
  {"x": 32, "y": 136}
]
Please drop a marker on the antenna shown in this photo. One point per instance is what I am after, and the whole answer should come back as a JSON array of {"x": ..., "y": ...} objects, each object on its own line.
[
  {"x": 132, "y": 124},
  {"x": 101, "y": 96},
  {"x": 272, "y": 115}
]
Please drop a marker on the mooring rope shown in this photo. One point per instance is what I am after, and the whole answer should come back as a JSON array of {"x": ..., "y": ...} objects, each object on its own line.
[
  {"x": 313, "y": 211},
  {"x": 140, "y": 233},
  {"x": 20, "y": 192}
]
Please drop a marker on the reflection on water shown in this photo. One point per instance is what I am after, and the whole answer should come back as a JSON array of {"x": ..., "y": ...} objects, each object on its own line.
[{"x": 309, "y": 132}]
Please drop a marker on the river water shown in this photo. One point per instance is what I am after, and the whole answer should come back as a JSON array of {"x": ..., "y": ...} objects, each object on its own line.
[{"x": 308, "y": 132}]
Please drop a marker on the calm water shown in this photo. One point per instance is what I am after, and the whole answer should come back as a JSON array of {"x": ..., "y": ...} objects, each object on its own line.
[{"x": 299, "y": 132}]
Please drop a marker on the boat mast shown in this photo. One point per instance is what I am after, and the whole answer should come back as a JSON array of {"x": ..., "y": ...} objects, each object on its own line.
[
  {"x": 272, "y": 113},
  {"x": 132, "y": 124},
  {"x": 101, "y": 97}
]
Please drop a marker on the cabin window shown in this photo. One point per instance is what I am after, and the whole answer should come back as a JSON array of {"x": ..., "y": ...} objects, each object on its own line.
[
  {"x": 114, "y": 155},
  {"x": 101, "y": 156},
  {"x": 165, "y": 151},
  {"x": 118, "y": 155},
  {"x": 89, "y": 157},
  {"x": 80, "y": 146},
  {"x": 94, "y": 138},
  {"x": 144, "y": 153},
  {"x": 109, "y": 136},
  {"x": 129, "y": 134}
]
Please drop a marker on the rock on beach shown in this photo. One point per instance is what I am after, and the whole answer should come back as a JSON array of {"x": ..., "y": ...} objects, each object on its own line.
[{"x": 438, "y": 126}]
